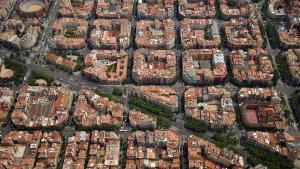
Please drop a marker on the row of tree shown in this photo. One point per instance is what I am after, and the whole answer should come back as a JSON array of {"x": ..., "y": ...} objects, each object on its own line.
[
  {"x": 267, "y": 158},
  {"x": 164, "y": 116}
]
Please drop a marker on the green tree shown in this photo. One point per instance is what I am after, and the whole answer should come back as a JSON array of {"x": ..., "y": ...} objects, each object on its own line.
[
  {"x": 19, "y": 73},
  {"x": 162, "y": 123},
  {"x": 70, "y": 33},
  {"x": 226, "y": 139},
  {"x": 195, "y": 125},
  {"x": 150, "y": 108},
  {"x": 36, "y": 74},
  {"x": 282, "y": 66},
  {"x": 117, "y": 91},
  {"x": 295, "y": 103},
  {"x": 232, "y": 3},
  {"x": 273, "y": 35},
  {"x": 269, "y": 159}
]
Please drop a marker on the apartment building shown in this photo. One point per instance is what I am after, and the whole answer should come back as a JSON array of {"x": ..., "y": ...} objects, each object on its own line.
[
  {"x": 68, "y": 62},
  {"x": 6, "y": 102},
  {"x": 106, "y": 66},
  {"x": 92, "y": 110},
  {"x": 76, "y": 150},
  {"x": 26, "y": 39},
  {"x": 49, "y": 150},
  {"x": 104, "y": 150},
  {"x": 280, "y": 142},
  {"x": 69, "y": 33},
  {"x": 76, "y": 8},
  {"x": 261, "y": 108},
  {"x": 110, "y": 34},
  {"x": 5, "y": 8},
  {"x": 154, "y": 66},
  {"x": 157, "y": 34},
  {"x": 114, "y": 9},
  {"x": 142, "y": 121},
  {"x": 204, "y": 154},
  {"x": 197, "y": 9},
  {"x": 199, "y": 33},
  {"x": 18, "y": 149},
  {"x": 290, "y": 38},
  {"x": 158, "y": 149},
  {"x": 293, "y": 61},
  {"x": 203, "y": 66},
  {"x": 163, "y": 96},
  {"x": 242, "y": 8},
  {"x": 212, "y": 105},
  {"x": 42, "y": 106},
  {"x": 155, "y": 9},
  {"x": 253, "y": 66},
  {"x": 243, "y": 33}
]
